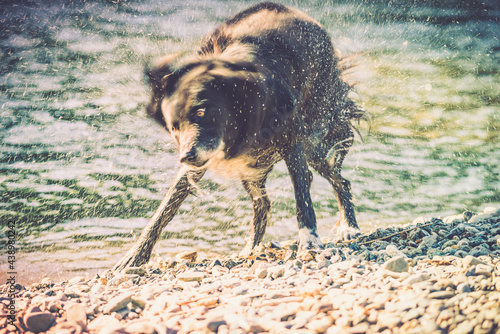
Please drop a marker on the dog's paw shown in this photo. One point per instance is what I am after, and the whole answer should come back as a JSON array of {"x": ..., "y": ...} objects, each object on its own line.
[
  {"x": 345, "y": 233},
  {"x": 247, "y": 251},
  {"x": 132, "y": 259},
  {"x": 309, "y": 240}
]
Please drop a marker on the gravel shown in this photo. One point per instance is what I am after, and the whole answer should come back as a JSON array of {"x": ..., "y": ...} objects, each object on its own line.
[{"x": 438, "y": 275}]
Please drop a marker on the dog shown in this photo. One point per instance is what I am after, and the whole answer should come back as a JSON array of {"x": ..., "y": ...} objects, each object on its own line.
[{"x": 264, "y": 86}]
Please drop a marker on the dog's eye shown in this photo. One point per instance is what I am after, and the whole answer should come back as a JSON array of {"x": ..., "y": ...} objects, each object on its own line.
[{"x": 200, "y": 113}]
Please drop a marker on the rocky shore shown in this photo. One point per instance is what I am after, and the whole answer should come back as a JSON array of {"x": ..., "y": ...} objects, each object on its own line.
[{"x": 438, "y": 275}]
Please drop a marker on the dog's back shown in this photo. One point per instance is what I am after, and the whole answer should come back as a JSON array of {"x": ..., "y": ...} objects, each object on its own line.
[{"x": 299, "y": 51}]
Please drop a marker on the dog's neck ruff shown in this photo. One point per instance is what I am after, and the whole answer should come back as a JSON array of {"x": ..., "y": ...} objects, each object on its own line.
[{"x": 241, "y": 167}]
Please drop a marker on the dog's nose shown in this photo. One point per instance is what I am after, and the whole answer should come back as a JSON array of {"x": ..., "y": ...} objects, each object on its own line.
[{"x": 189, "y": 157}]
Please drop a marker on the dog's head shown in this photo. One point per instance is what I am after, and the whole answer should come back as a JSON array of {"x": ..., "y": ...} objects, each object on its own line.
[{"x": 217, "y": 108}]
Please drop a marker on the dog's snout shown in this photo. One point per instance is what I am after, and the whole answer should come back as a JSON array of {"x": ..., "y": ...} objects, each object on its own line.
[{"x": 189, "y": 157}]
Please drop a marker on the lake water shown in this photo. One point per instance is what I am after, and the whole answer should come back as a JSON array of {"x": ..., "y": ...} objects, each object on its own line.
[{"x": 83, "y": 168}]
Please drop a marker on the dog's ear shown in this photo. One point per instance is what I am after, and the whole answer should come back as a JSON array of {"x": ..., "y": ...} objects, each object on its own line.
[{"x": 162, "y": 82}]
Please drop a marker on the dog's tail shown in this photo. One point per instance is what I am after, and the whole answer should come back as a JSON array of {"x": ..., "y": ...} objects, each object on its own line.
[{"x": 347, "y": 66}]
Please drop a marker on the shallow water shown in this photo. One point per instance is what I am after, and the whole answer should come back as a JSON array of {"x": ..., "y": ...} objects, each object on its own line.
[{"x": 83, "y": 168}]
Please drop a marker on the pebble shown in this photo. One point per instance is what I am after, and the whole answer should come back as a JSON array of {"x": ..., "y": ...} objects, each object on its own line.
[
  {"x": 75, "y": 314},
  {"x": 117, "y": 303},
  {"x": 320, "y": 325},
  {"x": 196, "y": 276},
  {"x": 397, "y": 264},
  {"x": 39, "y": 321},
  {"x": 140, "y": 326},
  {"x": 214, "y": 324},
  {"x": 134, "y": 271},
  {"x": 103, "y": 321},
  {"x": 191, "y": 256},
  {"x": 432, "y": 275}
]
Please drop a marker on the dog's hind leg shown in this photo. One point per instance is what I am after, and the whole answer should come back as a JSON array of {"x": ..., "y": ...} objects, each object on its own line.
[
  {"x": 328, "y": 163},
  {"x": 181, "y": 187},
  {"x": 261, "y": 207}
]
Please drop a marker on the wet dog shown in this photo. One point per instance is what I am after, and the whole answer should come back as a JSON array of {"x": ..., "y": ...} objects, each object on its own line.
[{"x": 265, "y": 86}]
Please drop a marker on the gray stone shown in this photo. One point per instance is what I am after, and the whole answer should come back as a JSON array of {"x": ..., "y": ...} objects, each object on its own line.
[
  {"x": 396, "y": 264},
  {"x": 276, "y": 271},
  {"x": 463, "y": 287},
  {"x": 479, "y": 251},
  {"x": 441, "y": 294},
  {"x": 135, "y": 271},
  {"x": 214, "y": 324},
  {"x": 428, "y": 242},
  {"x": 261, "y": 273},
  {"x": 39, "y": 321}
]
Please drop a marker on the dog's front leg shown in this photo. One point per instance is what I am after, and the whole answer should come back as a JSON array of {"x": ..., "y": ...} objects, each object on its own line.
[
  {"x": 261, "y": 206},
  {"x": 180, "y": 188},
  {"x": 299, "y": 172}
]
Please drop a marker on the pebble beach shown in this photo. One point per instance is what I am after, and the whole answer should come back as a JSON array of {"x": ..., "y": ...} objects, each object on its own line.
[{"x": 437, "y": 275}]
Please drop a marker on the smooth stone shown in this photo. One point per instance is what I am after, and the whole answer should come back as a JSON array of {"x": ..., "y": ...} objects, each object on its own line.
[
  {"x": 33, "y": 309},
  {"x": 479, "y": 251},
  {"x": 276, "y": 271},
  {"x": 47, "y": 281},
  {"x": 103, "y": 321},
  {"x": 470, "y": 260},
  {"x": 484, "y": 269},
  {"x": 324, "y": 264},
  {"x": 65, "y": 328},
  {"x": 396, "y": 264},
  {"x": 140, "y": 326},
  {"x": 388, "y": 319},
  {"x": 336, "y": 330},
  {"x": 195, "y": 276},
  {"x": 441, "y": 295},
  {"x": 360, "y": 328},
  {"x": 428, "y": 242},
  {"x": 135, "y": 271},
  {"x": 138, "y": 302},
  {"x": 417, "y": 278},
  {"x": 39, "y": 321},
  {"x": 393, "y": 251},
  {"x": 463, "y": 288},
  {"x": 214, "y": 324},
  {"x": 117, "y": 303},
  {"x": 112, "y": 329},
  {"x": 320, "y": 325},
  {"x": 97, "y": 289},
  {"x": 76, "y": 315}
]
